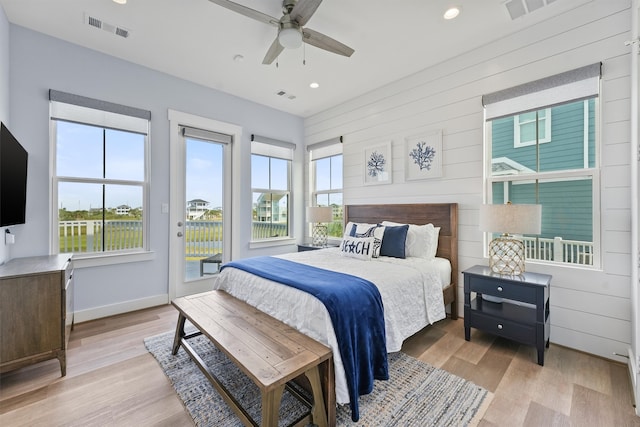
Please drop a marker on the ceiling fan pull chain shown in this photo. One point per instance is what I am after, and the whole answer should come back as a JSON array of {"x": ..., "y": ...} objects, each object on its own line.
[{"x": 304, "y": 54}]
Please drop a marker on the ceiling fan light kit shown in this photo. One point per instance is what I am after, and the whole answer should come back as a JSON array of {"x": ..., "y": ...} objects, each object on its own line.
[
  {"x": 290, "y": 36},
  {"x": 291, "y": 31}
]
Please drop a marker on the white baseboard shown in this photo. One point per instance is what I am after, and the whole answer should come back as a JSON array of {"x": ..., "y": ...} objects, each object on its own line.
[{"x": 120, "y": 308}]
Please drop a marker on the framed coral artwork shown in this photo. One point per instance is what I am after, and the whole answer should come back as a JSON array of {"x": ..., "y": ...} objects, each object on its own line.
[
  {"x": 423, "y": 156},
  {"x": 377, "y": 164}
]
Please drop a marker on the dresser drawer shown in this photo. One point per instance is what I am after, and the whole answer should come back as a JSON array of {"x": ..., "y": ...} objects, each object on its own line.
[
  {"x": 525, "y": 334},
  {"x": 503, "y": 289}
]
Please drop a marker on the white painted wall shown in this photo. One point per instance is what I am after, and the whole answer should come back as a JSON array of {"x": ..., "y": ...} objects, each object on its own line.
[
  {"x": 39, "y": 63},
  {"x": 4, "y": 101},
  {"x": 590, "y": 310},
  {"x": 634, "y": 354}
]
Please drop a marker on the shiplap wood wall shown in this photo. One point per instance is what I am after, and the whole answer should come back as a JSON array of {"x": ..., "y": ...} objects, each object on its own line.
[{"x": 590, "y": 310}]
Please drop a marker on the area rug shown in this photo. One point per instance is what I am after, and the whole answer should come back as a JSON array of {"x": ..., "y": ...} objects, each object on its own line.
[{"x": 417, "y": 394}]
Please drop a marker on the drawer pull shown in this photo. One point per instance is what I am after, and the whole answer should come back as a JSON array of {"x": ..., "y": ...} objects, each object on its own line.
[
  {"x": 499, "y": 326},
  {"x": 499, "y": 288}
]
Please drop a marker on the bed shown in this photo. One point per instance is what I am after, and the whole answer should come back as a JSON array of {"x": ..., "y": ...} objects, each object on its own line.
[{"x": 404, "y": 314}]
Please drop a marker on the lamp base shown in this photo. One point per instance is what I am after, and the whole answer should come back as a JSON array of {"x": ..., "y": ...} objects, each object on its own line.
[
  {"x": 506, "y": 255},
  {"x": 319, "y": 235}
]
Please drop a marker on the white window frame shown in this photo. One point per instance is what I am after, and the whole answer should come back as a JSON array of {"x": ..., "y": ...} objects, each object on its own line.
[
  {"x": 90, "y": 112},
  {"x": 564, "y": 88},
  {"x": 322, "y": 150},
  {"x": 517, "y": 125},
  {"x": 273, "y": 149}
]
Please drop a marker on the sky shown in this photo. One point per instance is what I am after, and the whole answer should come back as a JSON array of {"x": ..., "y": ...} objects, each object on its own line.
[{"x": 80, "y": 153}]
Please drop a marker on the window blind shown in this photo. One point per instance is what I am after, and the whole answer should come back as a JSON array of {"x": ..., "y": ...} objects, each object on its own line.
[
  {"x": 270, "y": 147},
  {"x": 206, "y": 135},
  {"x": 327, "y": 148},
  {"x": 80, "y": 109},
  {"x": 574, "y": 85}
]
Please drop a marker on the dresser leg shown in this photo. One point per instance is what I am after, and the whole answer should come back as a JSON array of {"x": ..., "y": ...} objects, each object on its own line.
[{"x": 62, "y": 357}]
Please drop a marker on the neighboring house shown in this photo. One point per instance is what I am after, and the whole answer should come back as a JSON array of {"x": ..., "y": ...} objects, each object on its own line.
[
  {"x": 123, "y": 210},
  {"x": 268, "y": 208},
  {"x": 196, "y": 208},
  {"x": 563, "y": 144}
]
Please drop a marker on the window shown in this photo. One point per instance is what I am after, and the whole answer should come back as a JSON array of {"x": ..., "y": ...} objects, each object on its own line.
[
  {"x": 524, "y": 128},
  {"x": 270, "y": 186},
  {"x": 558, "y": 168},
  {"x": 326, "y": 181},
  {"x": 99, "y": 176}
]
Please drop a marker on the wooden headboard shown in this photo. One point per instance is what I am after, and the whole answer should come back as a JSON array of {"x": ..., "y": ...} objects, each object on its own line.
[{"x": 443, "y": 215}]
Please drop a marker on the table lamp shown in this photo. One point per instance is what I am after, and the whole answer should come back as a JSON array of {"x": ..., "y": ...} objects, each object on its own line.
[
  {"x": 506, "y": 252},
  {"x": 319, "y": 215}
]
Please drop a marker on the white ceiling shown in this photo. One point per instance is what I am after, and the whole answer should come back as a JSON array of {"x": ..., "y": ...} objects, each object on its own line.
[{"x": 197, "y": 40}]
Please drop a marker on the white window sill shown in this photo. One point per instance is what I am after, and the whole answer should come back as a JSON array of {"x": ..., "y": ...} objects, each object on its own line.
[{"x": 86, "y": 261}]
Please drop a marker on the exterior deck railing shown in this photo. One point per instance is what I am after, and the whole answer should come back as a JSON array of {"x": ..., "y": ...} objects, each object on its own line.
[
  {"x": 559, "y": 250},
  {"x": 204, "y": 238}
]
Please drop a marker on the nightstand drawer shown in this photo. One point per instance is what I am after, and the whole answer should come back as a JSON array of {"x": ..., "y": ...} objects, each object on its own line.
[
  {"x": 522, "y": 333},
  {"x": 503, "y": 289}
]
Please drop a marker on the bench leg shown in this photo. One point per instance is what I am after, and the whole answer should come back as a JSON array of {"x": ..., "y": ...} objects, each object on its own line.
[
  {"x": 271, "y": 406},
  {"x": 179, "y": 334},
  {"x": 318, "y": 412}
]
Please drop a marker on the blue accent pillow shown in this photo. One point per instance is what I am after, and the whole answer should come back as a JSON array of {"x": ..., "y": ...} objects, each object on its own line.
[{"x": 393, "y": 242}]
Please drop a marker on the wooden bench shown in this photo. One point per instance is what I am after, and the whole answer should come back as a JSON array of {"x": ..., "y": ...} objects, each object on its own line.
[
  {"x": 268, "y": 351},
  {"x": 214, "y": 259}
]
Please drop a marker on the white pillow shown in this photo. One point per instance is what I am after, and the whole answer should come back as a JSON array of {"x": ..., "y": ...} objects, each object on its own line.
[
  {"x": 357, "y": 247},
  {"x": 422, "y": 240},
  {"x": 363, "y": 229}
]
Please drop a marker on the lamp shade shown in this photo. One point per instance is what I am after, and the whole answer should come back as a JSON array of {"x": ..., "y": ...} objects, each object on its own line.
[
  {"x": 319, "y": 214},
  {"x": 511, "y": 218}
]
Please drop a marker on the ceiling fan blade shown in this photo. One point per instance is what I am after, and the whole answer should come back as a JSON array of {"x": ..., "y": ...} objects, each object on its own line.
[
  {"x": 303, "y": 10},
  {"x": 247, "y": 11},
  {"x": 317, "y": 39},
  {"x": 273, "y": 52}
]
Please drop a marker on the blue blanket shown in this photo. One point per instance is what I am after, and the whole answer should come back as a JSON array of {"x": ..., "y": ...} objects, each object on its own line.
[{"x": 355, "y": 307}]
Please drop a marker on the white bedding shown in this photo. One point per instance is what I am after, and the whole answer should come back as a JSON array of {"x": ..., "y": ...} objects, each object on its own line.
[{"x": 411, "y": 291}]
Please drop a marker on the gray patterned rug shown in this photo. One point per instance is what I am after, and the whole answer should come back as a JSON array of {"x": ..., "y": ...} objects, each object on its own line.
[{"x": 417, "y": 394}]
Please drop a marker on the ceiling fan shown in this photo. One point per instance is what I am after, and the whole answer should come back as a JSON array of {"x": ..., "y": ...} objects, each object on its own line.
[{"x": 291, "y": 33}]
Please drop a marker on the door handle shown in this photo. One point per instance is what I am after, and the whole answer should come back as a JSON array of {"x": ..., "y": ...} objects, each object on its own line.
[{"x": 179, "y": 233}]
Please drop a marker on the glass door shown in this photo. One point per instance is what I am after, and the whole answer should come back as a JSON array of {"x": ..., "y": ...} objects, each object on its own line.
[
  {"x": 200, "y": 215},
  {"x": 203, "y": 229}
]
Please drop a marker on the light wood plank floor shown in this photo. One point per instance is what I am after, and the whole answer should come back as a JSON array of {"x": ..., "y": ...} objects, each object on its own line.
[{"x": 113, "y": 380}]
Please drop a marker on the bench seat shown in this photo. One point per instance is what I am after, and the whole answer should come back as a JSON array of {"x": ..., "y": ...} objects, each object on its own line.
[{"x": 268, "y": 351}]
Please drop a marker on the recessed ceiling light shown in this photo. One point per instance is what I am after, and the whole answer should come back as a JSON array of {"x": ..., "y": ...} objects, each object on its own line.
[
  {"x": 120, "y": 1},
  {"x": 314, "y": 85},
  {"x": 452, "y": 12}
]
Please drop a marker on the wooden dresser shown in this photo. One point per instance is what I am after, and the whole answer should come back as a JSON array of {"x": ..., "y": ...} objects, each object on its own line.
[{"x": 36, "y": 310}]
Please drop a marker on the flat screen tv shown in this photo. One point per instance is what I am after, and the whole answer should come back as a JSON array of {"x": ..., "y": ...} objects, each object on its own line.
[{"x": 13, "y": 179}]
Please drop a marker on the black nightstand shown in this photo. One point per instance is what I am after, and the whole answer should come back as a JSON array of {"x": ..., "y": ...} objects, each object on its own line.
[
  {"x": 309, "y": 247},
  {"x": 522, "y": 317}
]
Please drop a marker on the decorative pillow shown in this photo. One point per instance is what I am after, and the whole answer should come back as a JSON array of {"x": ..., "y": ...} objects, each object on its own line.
[
  {"x": 369, "y": 230},
  {"x": 357, "y": 247},
  {"x": 393, "y": 242},
  {"x": 422, "y": 240},
  {"x": 433, "y": 248}
]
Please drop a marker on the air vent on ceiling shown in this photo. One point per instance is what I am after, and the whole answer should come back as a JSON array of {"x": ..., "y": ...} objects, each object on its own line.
[
  {"x": 110, "y": 28},
  {"x": 288, "y": 95},
  {"x": 518, "y": 8}
]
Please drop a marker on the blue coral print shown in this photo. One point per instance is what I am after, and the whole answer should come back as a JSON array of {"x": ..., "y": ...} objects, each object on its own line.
[
  {"x": 376, "y": 164},
  {"x": 423, "y": 155}
]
